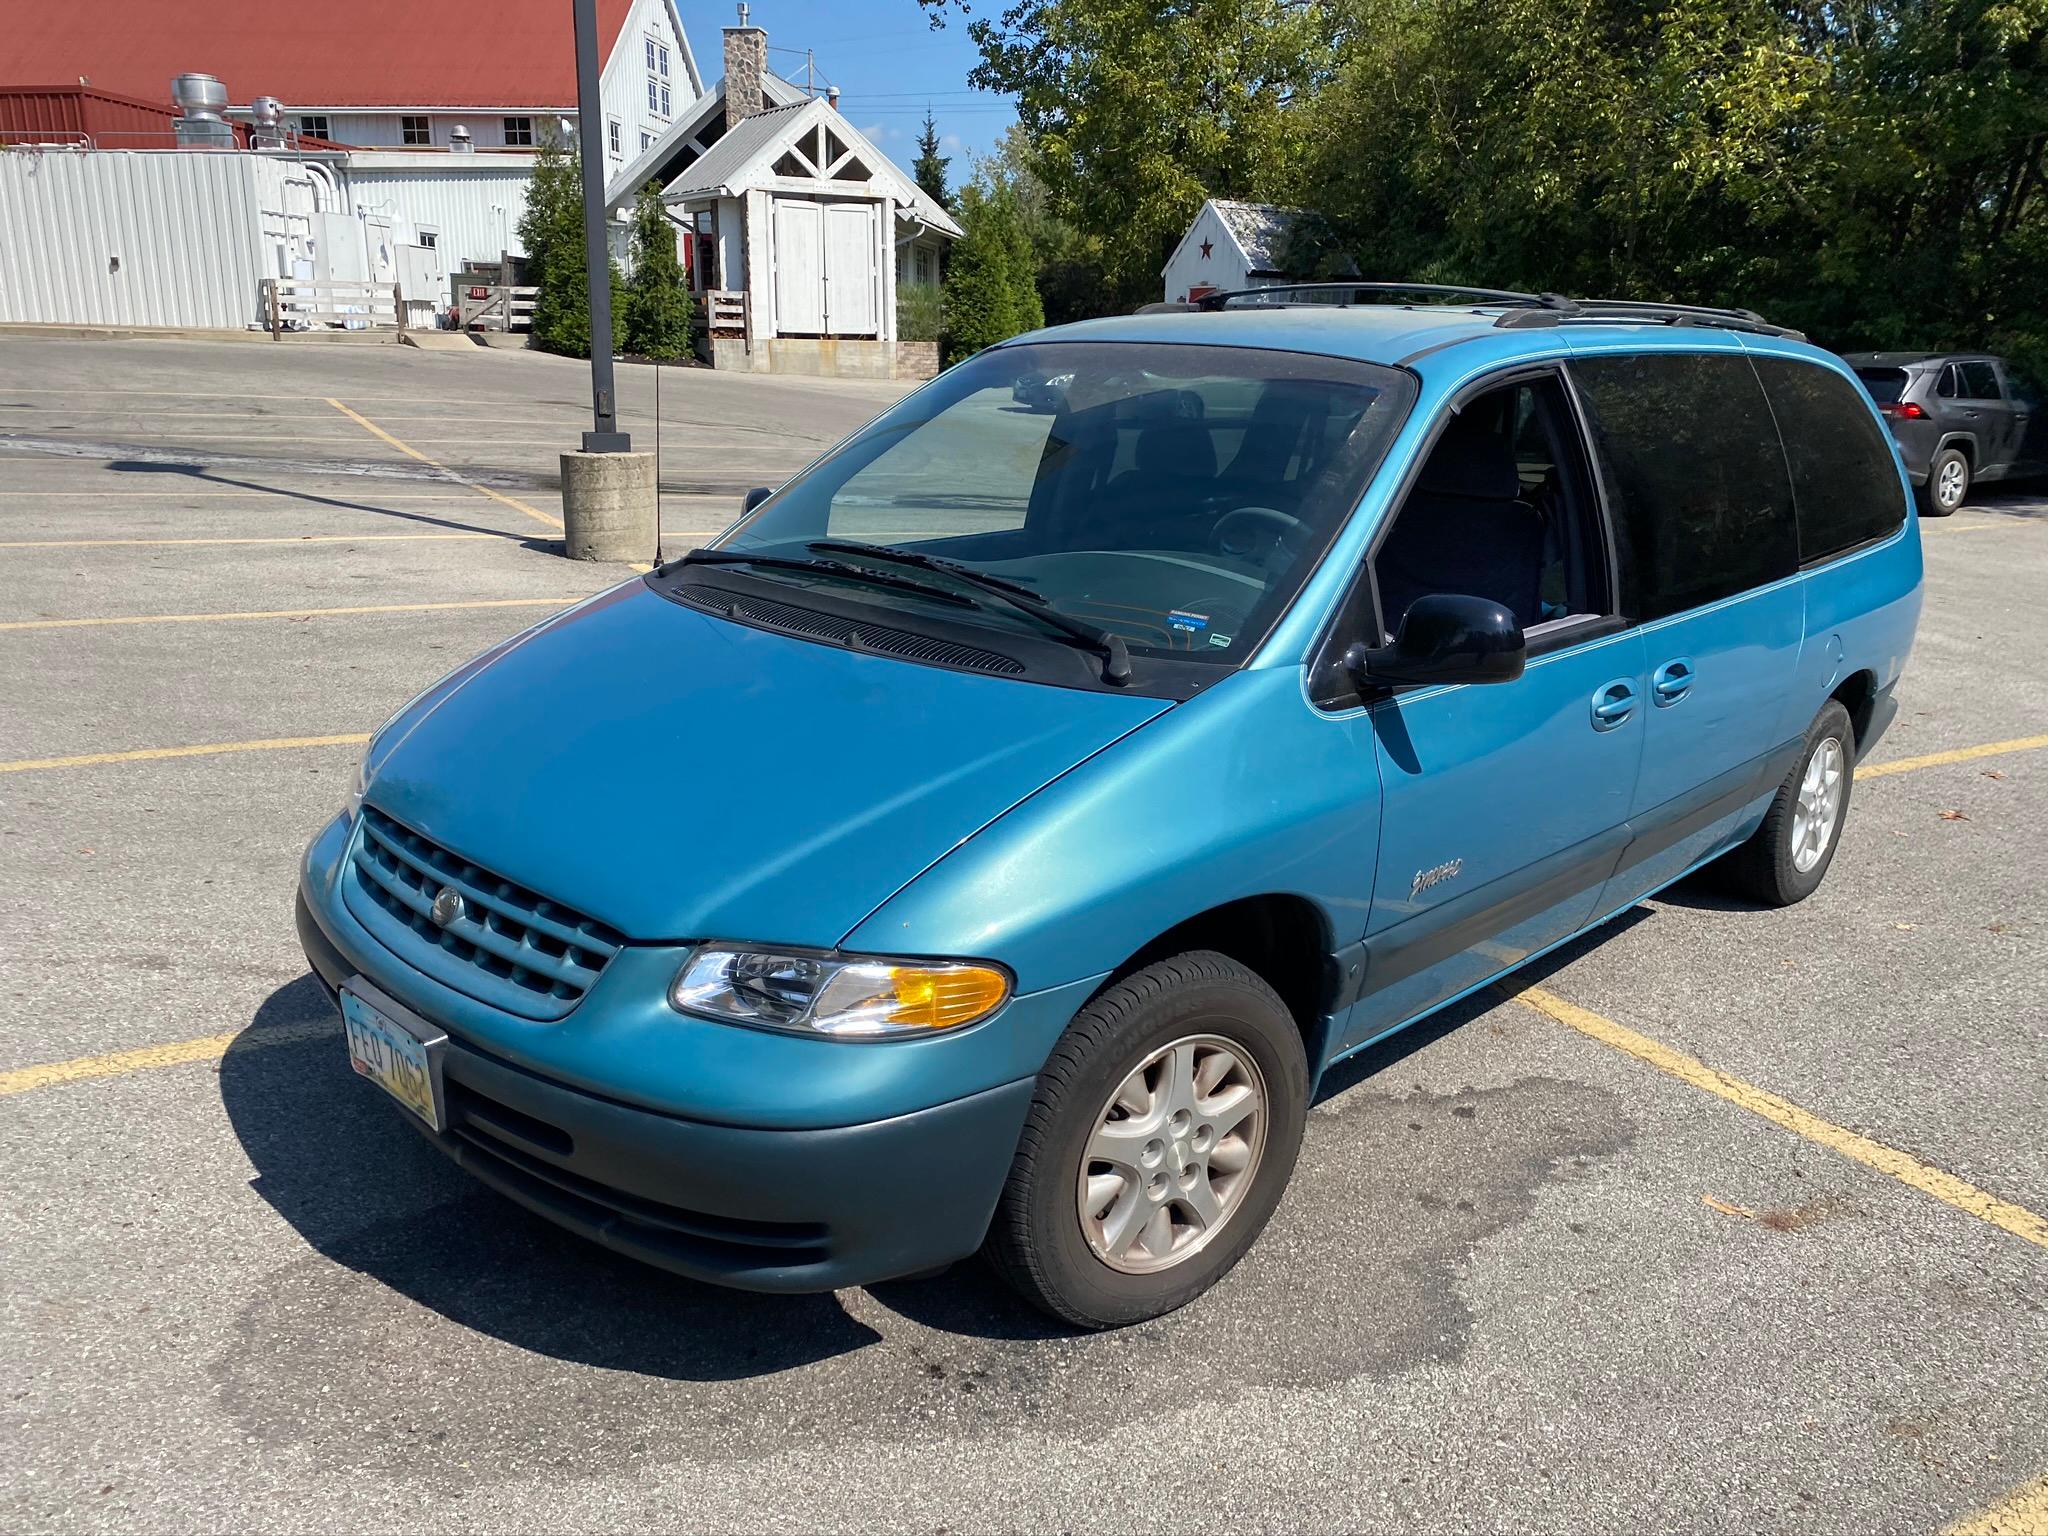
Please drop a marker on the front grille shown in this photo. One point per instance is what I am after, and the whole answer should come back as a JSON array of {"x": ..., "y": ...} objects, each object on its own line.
[
  {"x": 510, "y": 947},
  {"x": 814, "y": 625}
]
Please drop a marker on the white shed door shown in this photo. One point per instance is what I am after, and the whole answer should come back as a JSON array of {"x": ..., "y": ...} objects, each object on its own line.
[
  {"x": 799, "y": 267},
  {"x": 850, "y": 308}
]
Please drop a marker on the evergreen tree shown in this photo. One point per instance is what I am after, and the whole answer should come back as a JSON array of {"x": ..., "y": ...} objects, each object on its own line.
[
  {"x": 657, "y": 299},
  {"x": 551, "y": 229},
  {"x": 930, "y": 170},
  {"x": 981, "y": 295},
  {"x": 1027, "y": 310}
]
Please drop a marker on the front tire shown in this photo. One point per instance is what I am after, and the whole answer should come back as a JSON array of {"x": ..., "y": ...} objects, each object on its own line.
[
  {"x": 1788, "y": 856},
  {"x": 1162, "y": 1134},
  {"x": 1948, "y": 484}
]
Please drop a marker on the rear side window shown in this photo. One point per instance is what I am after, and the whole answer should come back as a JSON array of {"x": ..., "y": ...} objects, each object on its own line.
[
  {"x": 1844, "y": 483},
  {"x": 1885, "y": 384},
  {"x": 1696, "y": 475},
  {"x": 1980, "y": 381}
]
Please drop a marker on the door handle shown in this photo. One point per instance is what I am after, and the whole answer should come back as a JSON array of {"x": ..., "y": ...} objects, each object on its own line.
[
  {"x": 1672, "y": 681},
  {"x": 1613, "y": 704}
]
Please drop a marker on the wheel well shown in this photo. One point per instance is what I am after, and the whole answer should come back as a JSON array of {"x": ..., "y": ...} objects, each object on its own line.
[
  {"x": 1963, "y": 446},
  {"x": 1858, "y": 695},
  {"x": 1285, "y": 940}
]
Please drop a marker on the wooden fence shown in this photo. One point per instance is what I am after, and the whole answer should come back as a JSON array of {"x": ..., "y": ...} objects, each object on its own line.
[
  {"x": 300, "y": 306},
  {"x": 494, "y": 307}
]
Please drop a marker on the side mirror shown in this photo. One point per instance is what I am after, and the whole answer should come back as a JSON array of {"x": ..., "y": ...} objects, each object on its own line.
[
  {"x": 1445, "y": 638},
  {"x": 755, "y": 497}
]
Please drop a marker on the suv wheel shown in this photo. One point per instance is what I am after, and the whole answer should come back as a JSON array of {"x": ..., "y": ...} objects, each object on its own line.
[
  {"x": 1948, "y": 483},
  {"x": 1786, "y": 858},
  {"x": 1162, "y": 1134}
]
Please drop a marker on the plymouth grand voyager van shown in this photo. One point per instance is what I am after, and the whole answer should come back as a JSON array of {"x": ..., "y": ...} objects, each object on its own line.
[{"x": 991, "y": 840}]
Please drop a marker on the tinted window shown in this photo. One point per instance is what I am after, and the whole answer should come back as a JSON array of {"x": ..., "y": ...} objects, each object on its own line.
[
  {"x": 1951, "y": 383},
  {"x": 1885, "y": 384},
  {"x": 1696, "y": 475},
  {"x": 1844, "y": 483},
  {"x": 1980, "y": 381}
]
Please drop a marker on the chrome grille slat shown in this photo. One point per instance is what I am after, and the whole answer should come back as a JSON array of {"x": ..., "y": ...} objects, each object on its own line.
[{"x": 511, "y": 947}]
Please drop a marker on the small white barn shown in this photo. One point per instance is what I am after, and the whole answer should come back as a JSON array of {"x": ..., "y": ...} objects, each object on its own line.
[
  {"x": 797, "y": 228},
  {"x": 1230, "y": 245}
]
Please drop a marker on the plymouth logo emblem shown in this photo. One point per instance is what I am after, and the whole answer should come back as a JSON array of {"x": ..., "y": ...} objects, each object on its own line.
[{"x": 448, "y": 906}]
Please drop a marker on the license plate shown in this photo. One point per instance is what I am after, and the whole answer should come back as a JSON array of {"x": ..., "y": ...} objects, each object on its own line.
[{"x": 399, "y": 1053}]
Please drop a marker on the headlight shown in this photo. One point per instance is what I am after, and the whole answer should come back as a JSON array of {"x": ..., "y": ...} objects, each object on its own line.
[{"x": 828, "y": 995}]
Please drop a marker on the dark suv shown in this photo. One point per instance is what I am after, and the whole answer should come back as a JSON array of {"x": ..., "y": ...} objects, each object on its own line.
[{"x": 1958, "y": 419}]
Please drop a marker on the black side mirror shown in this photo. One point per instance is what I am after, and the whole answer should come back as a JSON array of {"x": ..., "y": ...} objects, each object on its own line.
[
  {"x": 755, "y": 497},
  {"x": 1445, "y": 638}
]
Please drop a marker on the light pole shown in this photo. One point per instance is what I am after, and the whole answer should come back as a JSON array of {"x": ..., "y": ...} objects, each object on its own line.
[{"x": 605, "y": 436}]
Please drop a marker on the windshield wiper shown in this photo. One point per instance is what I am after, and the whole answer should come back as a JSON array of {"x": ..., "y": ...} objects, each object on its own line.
[
  {"x": 1106, "y": 643},
  {"x": 837, "y": 568}
]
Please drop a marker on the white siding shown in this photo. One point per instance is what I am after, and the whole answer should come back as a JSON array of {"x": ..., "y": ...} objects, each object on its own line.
[
  {"x": 1223, "y": 267},
  {"x": 187, "y": 230},
  {"x": 473, "y": 208},
  {"x": 623, "y": 84}
]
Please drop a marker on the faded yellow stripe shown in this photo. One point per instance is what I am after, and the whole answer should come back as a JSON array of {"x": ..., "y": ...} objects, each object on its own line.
[
  {"x": 210, "y": 494},
  {"x": 304, "y": 538},
  {"x": 1943, "y": 1186},
  {"x": 2023, "y": 1512},
  {"x": 406, "y": 448},
  {"x": 206, "y": 749},
  {"x": 207, "y": 1048},
  {"x": 1959, "y": 755},
  {"x": 288, "y": 613}
]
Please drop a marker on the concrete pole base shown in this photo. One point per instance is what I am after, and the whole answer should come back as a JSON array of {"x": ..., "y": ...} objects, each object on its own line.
[{"x": 608, "y": 506}]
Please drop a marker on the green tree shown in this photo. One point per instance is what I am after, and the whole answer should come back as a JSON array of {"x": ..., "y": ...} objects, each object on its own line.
[
  {"x": 1136, "y": 111},
  {"x": 981, "y": 305},
  {"x": 930, "y": 169},
  {"x": 551, "y": 230},
  {"x": 657, "y": 298}
]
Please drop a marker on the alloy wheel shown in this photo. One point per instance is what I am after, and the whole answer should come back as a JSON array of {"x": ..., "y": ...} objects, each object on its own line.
[{"x": 1819, "y": 806}]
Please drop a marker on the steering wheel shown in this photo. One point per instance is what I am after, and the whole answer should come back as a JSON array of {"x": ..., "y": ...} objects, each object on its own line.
[{"x": 1254, "y": 533}]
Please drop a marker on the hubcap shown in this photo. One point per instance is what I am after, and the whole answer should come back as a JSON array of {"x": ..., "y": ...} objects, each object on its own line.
[
  {"x": 1951, "y": 484},
  {"x": 1173, "y": 1153},
  {"x": 1819, "y": 807}
]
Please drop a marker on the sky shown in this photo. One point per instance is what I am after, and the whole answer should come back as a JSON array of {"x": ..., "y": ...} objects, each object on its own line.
[{"x": 887, "y": 62}]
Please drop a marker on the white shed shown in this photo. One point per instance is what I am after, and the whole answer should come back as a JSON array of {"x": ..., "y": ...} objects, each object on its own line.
[{"x": 1229, "y": 245}]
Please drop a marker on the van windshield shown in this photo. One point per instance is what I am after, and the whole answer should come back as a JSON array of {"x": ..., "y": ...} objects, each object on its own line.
[{"x": 1176, "y": 496}]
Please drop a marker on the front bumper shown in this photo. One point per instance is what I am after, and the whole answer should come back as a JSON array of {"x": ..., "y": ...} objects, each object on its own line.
[{"x": 782, "y": 1209}]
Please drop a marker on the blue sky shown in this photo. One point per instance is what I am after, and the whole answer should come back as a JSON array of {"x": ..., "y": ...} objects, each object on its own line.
[{"x": 886, "y": 60}]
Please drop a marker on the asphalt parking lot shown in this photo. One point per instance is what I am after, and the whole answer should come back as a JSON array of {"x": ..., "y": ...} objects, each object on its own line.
[{"x": 1736, "y": 1222}]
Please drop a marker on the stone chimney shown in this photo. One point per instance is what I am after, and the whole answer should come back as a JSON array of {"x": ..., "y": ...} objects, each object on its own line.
[{"x": 746, "y": 68}]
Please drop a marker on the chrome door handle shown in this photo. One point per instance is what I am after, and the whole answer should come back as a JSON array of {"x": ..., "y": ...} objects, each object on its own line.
[
  {"x": 1613, "y": 704},
  {"x": 1672, "y": 681}
]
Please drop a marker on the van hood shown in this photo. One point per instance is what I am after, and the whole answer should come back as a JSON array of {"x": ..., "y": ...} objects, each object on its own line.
[{"x": 681, "y": 776}]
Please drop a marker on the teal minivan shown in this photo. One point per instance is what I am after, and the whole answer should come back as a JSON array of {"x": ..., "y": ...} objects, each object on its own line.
[{"x": 990, "y": 841}]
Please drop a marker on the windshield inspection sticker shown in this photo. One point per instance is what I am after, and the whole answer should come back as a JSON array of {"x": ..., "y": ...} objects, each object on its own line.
[
  {"x": 1219, "y": 640},
  {"x": 1191, "y": 623}
]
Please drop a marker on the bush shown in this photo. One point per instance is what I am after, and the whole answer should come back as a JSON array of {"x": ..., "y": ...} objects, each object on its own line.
[
  {"x": 657, "y": 301},
  {"x": 981, "y": 294},
  {"x": 920, "y": 311},
  {"x": 551, "y": 229}
]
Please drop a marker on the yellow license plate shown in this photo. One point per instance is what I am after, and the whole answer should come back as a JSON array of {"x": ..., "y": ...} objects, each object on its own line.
[{"x": 393, "y": 1057}]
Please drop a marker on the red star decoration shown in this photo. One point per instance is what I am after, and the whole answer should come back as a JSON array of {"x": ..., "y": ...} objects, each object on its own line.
[{"x": 1206, "y": 249}]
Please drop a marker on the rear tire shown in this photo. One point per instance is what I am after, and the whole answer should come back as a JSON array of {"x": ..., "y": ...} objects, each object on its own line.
[
  {"x": 1948, "y": 484},
  {"x": 1189, "y": 1057},
  {"x": 1788, "y": 856}
]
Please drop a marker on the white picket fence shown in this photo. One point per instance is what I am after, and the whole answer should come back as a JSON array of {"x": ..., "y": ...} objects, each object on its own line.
[{"x": 300, "y": 306}]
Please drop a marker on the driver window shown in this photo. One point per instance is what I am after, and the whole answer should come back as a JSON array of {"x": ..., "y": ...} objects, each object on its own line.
[{"x": 1502, "y": 509}]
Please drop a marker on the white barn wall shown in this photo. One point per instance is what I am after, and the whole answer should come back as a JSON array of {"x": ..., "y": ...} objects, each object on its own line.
[
  {"x": 474, "y": 210},
  {"x": 187, "y": 228},
  {"x": 1225, "y": 266},
  {"x": 623, "y": 84}
]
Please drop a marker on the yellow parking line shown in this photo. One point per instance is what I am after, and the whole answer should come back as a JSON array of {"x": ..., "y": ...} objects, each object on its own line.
[
  {"x": 288, "y": 613},
  {"x": 1943, "y": 1186},
  {"x": 406, "y": 448},
  {"x": 2023, "y": 1512},
  {"x": 207, "y": 493},
  {"x": 304, "y": 538},
  {"x": 1959, "y": 755},
  {"x": 205, "y": 749},
  {"x": 207, "y": 1048}
]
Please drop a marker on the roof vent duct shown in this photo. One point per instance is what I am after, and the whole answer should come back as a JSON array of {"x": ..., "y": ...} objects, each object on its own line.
[
  {"x": 459, "y": 141},
  {"x": 201, "y": 100},
  {"x": 266, "y": 117}
]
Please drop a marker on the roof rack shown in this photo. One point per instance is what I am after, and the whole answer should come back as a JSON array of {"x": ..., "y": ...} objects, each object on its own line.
[
  {"x": 1267, "y": 297},
  {"x": 1524, "y": 309}
]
